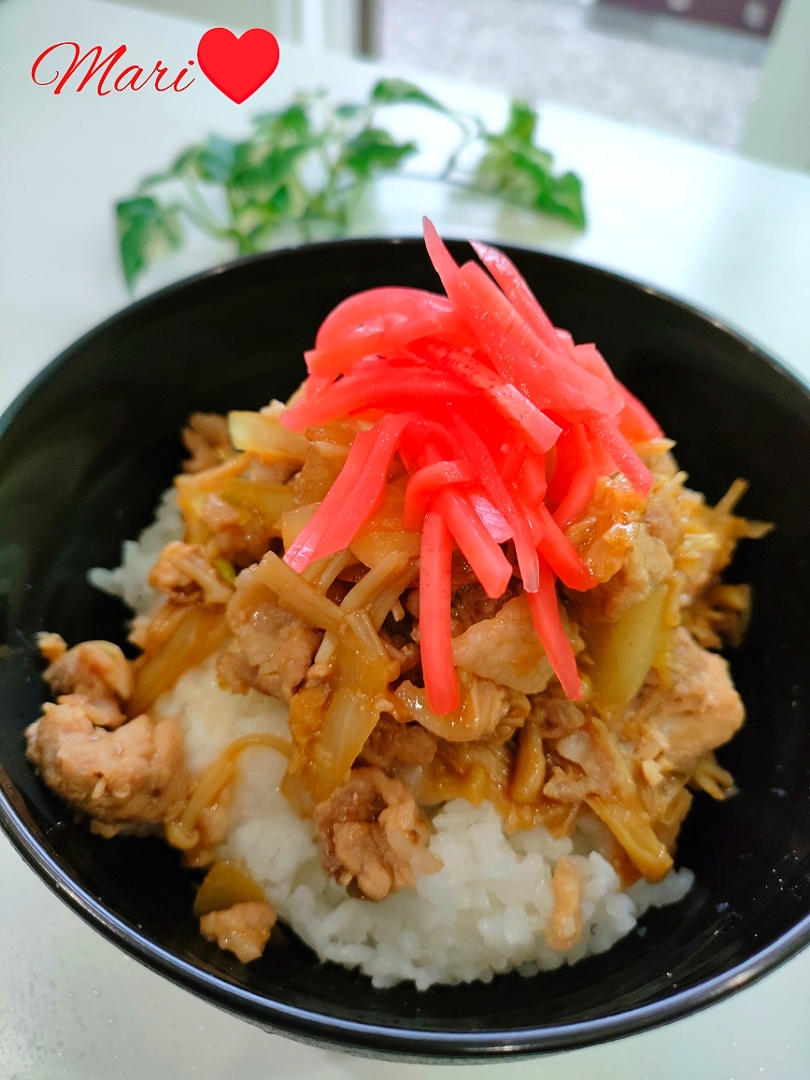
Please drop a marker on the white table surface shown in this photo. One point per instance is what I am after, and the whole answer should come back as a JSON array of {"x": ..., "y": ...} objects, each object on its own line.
[{"x": 729, "y": 235}]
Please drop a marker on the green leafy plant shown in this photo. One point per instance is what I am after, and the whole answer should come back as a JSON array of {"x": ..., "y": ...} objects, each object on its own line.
[
  {"x": 516, "y": 170},
  {"x": 305, "y": 167}
]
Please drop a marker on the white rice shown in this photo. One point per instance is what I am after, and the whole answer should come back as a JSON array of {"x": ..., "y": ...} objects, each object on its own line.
[
  {"x": 484, "y": 912},
  {"x": 129, "y": 581}
]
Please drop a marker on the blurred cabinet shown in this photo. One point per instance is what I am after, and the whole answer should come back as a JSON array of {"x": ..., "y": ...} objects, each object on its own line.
[
  {"x": 346, "y": 26},
  {"x": 752, "y": 16}
]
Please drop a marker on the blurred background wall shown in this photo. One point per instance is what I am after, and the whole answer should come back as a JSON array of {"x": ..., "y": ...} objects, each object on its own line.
[{"x": 731, "y": 73}]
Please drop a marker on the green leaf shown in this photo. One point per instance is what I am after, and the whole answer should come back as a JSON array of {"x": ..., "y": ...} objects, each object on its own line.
[
  {"x": 153, "y": 180},
  {"x": 292, "y": 122},
  {"x": 144, "y": 228},
  {"x": 295, "y": 121},
  {"x": 244, "y": 157},
  {"x": 522, "y": 121},
  {"x": 565, "y": 199},
  {"x": 186, "y": 163},
  {"x": 253, "y": 210},
  {"x": 215, "y": 160},
  {"x": 279, "y": 204},
  {"x": 373, "y": 149},
  {"x": 264, "y": 121},
  {"x": 270, "y": 171},
  {"x": 516, "y": 170},
  {"x": 399, "y": 91},
  {"x": 134, "y": 220},
  {"x": 348, "y": 111}
]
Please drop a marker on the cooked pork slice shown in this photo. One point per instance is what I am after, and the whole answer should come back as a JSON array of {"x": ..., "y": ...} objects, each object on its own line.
[
  {"x": 602, "y": 768},
  {"x": 485, "y": 707},
  {"x": 52, "y": 646},
  {"x": 183, "y": 573},
  {"x": 402, "y": 649},
  {"x": 236, "y": 674},
  {"x": 269, "y": 472},
  {"x": 94, "y": 668},
  {"x": 697, "y": 710},
  {"x": 566, "y": 787},
  {"x": 411, "y": 602},
  {"x": 598, "y": 770},
  {"x": 241, "y": 543},
  {"x": 275, "y": 641},
  {"x": 206, "y": 439},
  {"x": 244, "y": 928},
  {"x": 471, "y": 605},
  {"x": 557, "y": 717},
  {"x": 133, "y": 776},
  {"x": 647, "y": 564},
  {"x": 661, "y": 521},
  {"x": 96, "y": 671},
  {"x": 218, "y": 514},
  {"x": 505, "y": 649},
  {"x": 373, "y": 836},
  {"x": 392, "y": 741}
]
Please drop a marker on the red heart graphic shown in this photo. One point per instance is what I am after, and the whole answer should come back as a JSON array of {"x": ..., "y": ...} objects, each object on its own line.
[{"x": 238, "y": 66}]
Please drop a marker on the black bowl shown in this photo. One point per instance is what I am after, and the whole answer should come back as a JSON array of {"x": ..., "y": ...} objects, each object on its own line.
[{"x": 88, "y": 447}]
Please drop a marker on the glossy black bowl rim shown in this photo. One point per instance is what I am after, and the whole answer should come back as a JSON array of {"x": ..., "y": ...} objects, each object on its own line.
[{"x": 398, "y": 1042}]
